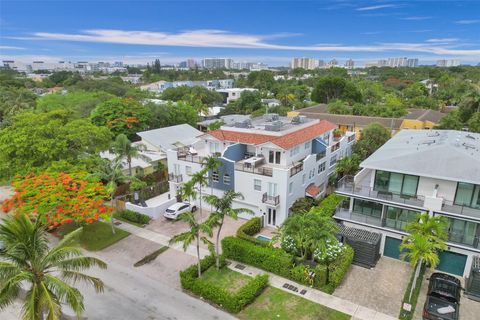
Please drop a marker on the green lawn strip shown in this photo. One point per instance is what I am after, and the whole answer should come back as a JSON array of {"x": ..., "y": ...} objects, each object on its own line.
[
  {"x": 95, "y": 236},
  {"x": 274, "y": 303},
  {"x": 152, "y": 256},
  {"x": 226, "y": 278},
  {"x": 405, "y": 315}
]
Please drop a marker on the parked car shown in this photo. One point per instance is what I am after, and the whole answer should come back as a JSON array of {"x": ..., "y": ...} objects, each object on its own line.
[
  {"x": 177, "y": 209},
  {"x": 443, "y": 298}
]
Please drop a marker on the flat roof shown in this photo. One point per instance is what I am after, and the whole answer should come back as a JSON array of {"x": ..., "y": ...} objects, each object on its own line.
[{"x": 442, "y": 154}]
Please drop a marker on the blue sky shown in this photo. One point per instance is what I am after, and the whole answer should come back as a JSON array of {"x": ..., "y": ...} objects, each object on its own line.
[{"x": 264, "y": 31}]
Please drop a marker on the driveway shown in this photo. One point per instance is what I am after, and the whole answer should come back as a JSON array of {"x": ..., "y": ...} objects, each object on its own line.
[
  {"x": 170, "y": 228},
  {"x": 380, "y": 288},
  {"x": 469, "y": 309}
]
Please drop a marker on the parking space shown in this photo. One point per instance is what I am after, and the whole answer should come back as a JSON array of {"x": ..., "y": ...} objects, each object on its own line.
[
  {"x": 380, "y": 288},
  {"x": 469, "y": 309}
]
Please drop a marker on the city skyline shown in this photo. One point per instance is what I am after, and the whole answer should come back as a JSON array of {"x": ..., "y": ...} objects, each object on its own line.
[{"x": 142, "y": 31}]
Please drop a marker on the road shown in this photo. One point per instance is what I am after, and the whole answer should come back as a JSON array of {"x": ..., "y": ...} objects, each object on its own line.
[{"x": 131, "y": 295}]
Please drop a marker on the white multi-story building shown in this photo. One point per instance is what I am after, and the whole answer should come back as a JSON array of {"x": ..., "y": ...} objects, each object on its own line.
[
  {"x": 397, "y": 62},
  {"x": 304, "y": 63},
  {"x": 448, "y": 63},
  {"x": 271, "y": 160},
  {"x": 349, "y": 64},
  {"x": 412, "y": 62},
  {"x": 232, "y": 94},
  {"x": 217, "y": 63},
  {"x": 420, "y": 171}
]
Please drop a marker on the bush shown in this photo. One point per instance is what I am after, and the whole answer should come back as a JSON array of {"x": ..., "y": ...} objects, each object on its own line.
[
  {"x": 133, "y": 216},
  {"x": 271, "y": 259},
  {"x": 251, "y": 228},
  {"x": 232, "y": 302},
  {"x": 300, "y": 274},
  {"x": 329, "y": 204},
  {"x": 302, "y": 205},
  {"x": 338, "y": 268}
]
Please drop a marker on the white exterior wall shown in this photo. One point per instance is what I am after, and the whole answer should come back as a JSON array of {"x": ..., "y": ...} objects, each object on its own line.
[{"x": 446, "y": 189}]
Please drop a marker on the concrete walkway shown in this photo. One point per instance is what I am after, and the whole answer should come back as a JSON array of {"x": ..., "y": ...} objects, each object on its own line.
[
  {"x": 160, "y": 239},
  {"x": 356, "y": 311}
]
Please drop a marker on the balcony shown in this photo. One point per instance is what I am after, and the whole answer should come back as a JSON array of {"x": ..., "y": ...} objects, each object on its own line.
[
  {"x": 449, "y": 207},
  {"x": 177, "y": 178},
  {"x": 255, "y": 165},
  {"x": 271, "y": 200},
  {"x": 348, "y": 186},
  {"x": 296, "y": 169},
  {"x": 190, "y": 157},
  {"x": 343, "y": 213}
]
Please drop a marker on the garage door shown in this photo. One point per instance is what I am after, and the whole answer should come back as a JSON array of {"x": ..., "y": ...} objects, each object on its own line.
[
  {"x": 452, "y": 262},
  {"x": 392, "y": 247}
]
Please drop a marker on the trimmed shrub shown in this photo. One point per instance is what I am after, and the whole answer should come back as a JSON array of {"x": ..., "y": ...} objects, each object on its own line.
[
  {"x": 232, "y": 302},
  {"x": 271, "y": 259},
  {"x": 133, "y": 216},
  {"x": 302, "y": 205},
  {"x": 251, "y": 228},
  {"x": 300, "y": 274},
  {"x": 329, "y": 204},
  {"x": 338, "y": 268}
]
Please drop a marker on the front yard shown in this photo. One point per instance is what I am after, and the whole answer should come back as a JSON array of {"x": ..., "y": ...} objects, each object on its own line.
[
  {"x": 230, "y": 280},
  {"x": 277, "y": 304}
]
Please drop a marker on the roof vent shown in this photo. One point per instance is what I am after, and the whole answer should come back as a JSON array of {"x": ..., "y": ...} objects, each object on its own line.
[
  {"x": 469, "y": 136},
  {"x": 433, "y": 134},
  {"x": 468, "y": 145},
  {"x": 428, "y": 142},
  {"x": 274, "y": 126},
  {"x": 243, "y": 124},
  {"x": 269, "y": 117}
]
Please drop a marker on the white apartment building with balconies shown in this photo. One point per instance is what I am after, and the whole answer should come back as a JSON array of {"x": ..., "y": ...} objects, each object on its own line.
[
  {"x": 271, "y": 160},
  {"x": 434, "y": 171}
]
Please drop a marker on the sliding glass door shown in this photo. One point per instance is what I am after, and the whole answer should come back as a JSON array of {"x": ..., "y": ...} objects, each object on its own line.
[
  {"x": 396, "y": 183},
  {"x": 468, "y": 194}
]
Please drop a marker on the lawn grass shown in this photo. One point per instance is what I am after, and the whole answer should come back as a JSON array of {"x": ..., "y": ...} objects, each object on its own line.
[
  {"x": 274, "y": 303},
  {"x": 228, "y": 279},
  {"x": 95, "y": 236}
]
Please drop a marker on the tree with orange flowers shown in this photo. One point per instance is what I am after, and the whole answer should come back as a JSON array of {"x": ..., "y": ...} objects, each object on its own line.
[{"x": 58, "y": 198}]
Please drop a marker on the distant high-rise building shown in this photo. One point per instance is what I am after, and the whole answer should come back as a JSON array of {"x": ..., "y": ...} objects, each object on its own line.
[
  {"x": 217, "y": 63},
  {"x": 304, "y": 63},
  {"x": 349, "y": 64},
  {"x": 321, "y": 63},
  {"x": 332, "y": 63},
  {"x": 412, "y": 63},
  {"x": 397, "y": 62},
  {"x": 448, "y": 63},
  {"x": 191, "y": 63}
]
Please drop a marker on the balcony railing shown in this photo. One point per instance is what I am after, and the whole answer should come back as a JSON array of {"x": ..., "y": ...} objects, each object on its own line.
[
  {"x": 272, "y": 200},
  {"x": 296, "y": 169},
  {"x": 335, "y": 147},
  {"x": 350, "y": 215},
  {"x": 450, "y": 207},
  {"x": 321, "y": 155},
  {"x": 190, "y": 157},
  {"x": 178, "y": 178},
  {"x": 264, "y": 171},
  {"x": 348, "y": 186}
]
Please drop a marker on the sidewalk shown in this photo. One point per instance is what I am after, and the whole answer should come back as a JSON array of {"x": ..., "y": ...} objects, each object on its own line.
[
  {"x": 357, "y": 312},
  {"x": 160, "y": 239}
]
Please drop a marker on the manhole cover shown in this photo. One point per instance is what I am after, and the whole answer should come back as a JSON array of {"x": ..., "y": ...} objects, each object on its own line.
[{"x": 303, "y": 292}]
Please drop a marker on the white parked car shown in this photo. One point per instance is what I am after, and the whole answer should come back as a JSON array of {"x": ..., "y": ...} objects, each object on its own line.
[{"x": 177, "y": 209}]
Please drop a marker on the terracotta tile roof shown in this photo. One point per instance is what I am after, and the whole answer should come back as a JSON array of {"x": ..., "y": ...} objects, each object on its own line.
[
  {"x": 286, "y": 141},
  {"x": 313, "y": 190}
]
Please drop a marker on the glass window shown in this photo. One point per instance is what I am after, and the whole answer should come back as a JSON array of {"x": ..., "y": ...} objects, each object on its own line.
[
  {"x": 226, "y": 179},
  {"x": 274, "y": 157},
  {"x": 215, "y": 176},
  {"x": 467, "y": 195},
  {"x": 321, "y": 167},
  {"x": 367, "y": 208},
  {"x": 277, "y": 157},
  {"x": 307, "y": 145},
  {"x": 188, "y": 170},
  {"x": 290, "y": 188},
  {"x": 333, "y": 160},
  {"x": 410, "y": 184},
  {"x": 395, "y": 183},
  {"x": 303, "y": 178},
  {"x": 461, "y": 231},
  {"x": 381, "y": 180},
  {"x": 398, "y": 218},
  {"x": 257, "y": 185}
]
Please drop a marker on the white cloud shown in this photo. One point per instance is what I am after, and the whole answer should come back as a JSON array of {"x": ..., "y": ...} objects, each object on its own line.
[
  {"x": 223, "y": 39},
  {"x": 377, "y": 7},
  {"x": 442, "y": 40},
  {"x": 416, "y": 18},
  {"x": 11, "y": 48},
  {"x": 467, "y": 21}
]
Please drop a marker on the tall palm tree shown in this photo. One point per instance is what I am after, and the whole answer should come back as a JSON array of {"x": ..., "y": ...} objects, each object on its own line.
[
  {"x": 110, "y": 172},
  {"x": 200, "y": 179},
  {"x": 211, "y": 164},
  {"x": 286, "y": 98},
  {"x": 223, "y": 208},
  {"x": 125, "y": 149},
  {"x": 187, "y": 191},
  {"x": 194, "y": 234},
  {"x": 321, "y": 231},
  {"x": 428, "y": 236},
  {"x": 48, "y": 273},
  {"x": 421, "y": 249}
]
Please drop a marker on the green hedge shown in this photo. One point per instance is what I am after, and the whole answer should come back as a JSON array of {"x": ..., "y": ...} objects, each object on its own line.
[
  {"x": 330, "y": 204},
  {"x": 133, "y": 216},
  {"x": 339, "y": 268},
  {"x": 251, "y": 228},
  {"x": 271, "y": 259},
  {"x": 300, "y": 273},
  {"x": 232, "y": 302}
]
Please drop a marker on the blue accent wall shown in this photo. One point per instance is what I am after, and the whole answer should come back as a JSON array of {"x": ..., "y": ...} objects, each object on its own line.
[
  {"x": 227, "y": 167},
  {"x": 235, "y": 152},
  {"x": 318, "y": 146}
]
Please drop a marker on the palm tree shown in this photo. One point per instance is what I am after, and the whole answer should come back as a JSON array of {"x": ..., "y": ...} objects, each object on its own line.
[
  {"x": 211, "y": 164},
  {"x": 187, "y": 191},
  {"x": 26, "y": 259},
  {"x": 427, "y": 237},
  {"x": 223, "y": 208},
  {"x": 348, "y": 166},
  {"x": 194, "y": 234},
  {"x": 321, "y": 230},
  {"x": 200, "y": 178},
  {"x": 296, "y": 228},
  {"x": 125, "y": 149},
  {"x": 110, "y": 172},
  {"x": 286, "y": 98}
]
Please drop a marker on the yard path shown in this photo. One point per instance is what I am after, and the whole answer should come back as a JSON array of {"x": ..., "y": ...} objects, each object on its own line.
[
  {"x": 160, "y": 239},
  {"x": 356, "y": 311}
]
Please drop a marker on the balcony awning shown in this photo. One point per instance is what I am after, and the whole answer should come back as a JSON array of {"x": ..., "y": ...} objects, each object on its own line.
[{"x": 312, "y": 190}]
